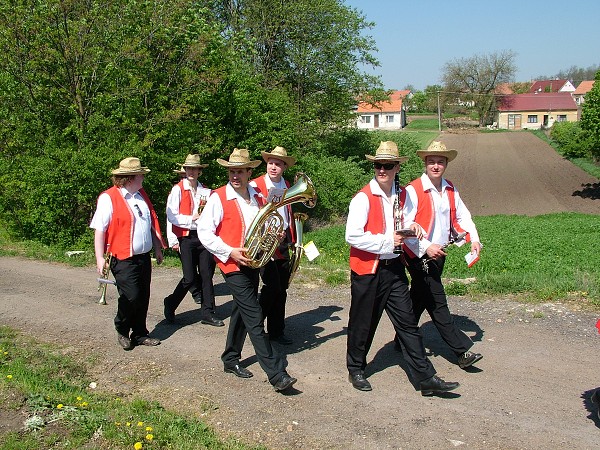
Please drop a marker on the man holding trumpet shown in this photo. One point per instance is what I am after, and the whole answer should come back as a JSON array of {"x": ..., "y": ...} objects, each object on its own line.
[
  {"x": 126, "y": 223},
  {"x": 378, "y": 277}
]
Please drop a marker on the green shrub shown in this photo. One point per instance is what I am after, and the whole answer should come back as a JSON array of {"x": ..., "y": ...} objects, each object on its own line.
[{"x": 570, "y": 138}]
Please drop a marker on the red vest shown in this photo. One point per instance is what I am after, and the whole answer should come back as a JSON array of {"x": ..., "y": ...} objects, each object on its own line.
[
  {"x": 362, "y": 262},
  {"x": 119, "y": 234},
  {"x": 425, "y": 212},
  {"x": 185, "y": 207},
  {"x": 232, "y": 228}
]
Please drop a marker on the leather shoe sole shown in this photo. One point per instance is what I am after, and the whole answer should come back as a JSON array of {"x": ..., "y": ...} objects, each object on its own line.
[
  {"x": 125, "y": 342},
  {"x": 212, "y": 321},
  {"x": 359, "y": 382},
  {"x": 285, "y": 382},
  {"x": 148, "y": 341},
  {"x": 239, "y": 371},
  {"x": 467, "y": 359}
]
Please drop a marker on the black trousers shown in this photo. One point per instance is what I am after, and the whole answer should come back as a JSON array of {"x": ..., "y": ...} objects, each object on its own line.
[
  {"x": 427, "y": 293},
  {"x": 247, "y": 319},
  {"x": 133, "y": 276},
  {"x": 198, "y": 266},
  {"x": 387, "y": 290},
  {"x": 273, "y": 294}
]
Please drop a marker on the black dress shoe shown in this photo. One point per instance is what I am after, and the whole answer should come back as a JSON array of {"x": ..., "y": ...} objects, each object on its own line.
[
  {"x": 435, "y": 385},
  {"x": 282, "y": 339},
  {"x": 285, "y": 382},
  {"x": 169, "y": 313},
  {"x": 211, "y": 320},
  {"x": 467, "y": 359},
  {"x": 198, "y": 301},
  {"x": 147, "y": 340},
  {"x": 595, "y": 398},
  {"x": 125, "y": 342},
  {"x": 359, "y": 381},
  {"x": 239, "y": 371}
]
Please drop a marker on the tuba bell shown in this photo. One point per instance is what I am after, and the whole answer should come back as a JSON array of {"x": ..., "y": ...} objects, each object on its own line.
[{"x": 263, "y": 234}]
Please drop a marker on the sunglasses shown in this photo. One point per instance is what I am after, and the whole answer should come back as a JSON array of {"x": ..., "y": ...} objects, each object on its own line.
[
  {"x": 388, "y": 166},
  {"x": 139, "y": 211}
]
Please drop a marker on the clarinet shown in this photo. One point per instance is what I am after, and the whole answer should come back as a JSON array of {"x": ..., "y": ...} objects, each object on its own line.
[{"x": 397, "y": 212}]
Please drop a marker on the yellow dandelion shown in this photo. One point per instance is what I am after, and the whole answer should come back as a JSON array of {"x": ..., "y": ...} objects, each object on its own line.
[
  {"x": 118, "y": 424},
  {"x": 79, "y": 398},
  {"x": 84, "y": 404},
  {"x": 59, "y": 406},
  {"x": 148, "y": 428},
  {"x": 128, "y": 424},
  {"x": 137, "y": 446},
  {"x": 9, "y": 377},
  {"x": 140, "y": 424},
  {"x": 149, "y": 437}
]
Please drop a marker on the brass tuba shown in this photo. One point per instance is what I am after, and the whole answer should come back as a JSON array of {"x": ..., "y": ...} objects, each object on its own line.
[
  {"x": 297, "y": 249},
  {"x": 102, "y": 282},
  {"x": 265, "y": 230}
]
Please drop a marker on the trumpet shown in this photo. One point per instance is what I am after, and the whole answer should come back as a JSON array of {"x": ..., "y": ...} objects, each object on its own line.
[
  {"x": 297, "y": 249},
  {"x": 104, "y": 281}
]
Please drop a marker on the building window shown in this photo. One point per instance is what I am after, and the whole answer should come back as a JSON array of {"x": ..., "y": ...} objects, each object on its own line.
[
  {"x": 365, "y": 119},
  {"x": 389, "y": 119},
  {"x": 532, "y": 118},
  {"x": 561, "y": 118}
]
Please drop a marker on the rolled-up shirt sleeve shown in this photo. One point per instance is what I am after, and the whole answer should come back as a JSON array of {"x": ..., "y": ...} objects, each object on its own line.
[{"x": 207, "y": 224}]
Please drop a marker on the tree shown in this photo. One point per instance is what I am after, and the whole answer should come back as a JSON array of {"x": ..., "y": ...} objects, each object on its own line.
[
  {"x": 477, "y": 77},
  {"x": 590, "y": 118}
]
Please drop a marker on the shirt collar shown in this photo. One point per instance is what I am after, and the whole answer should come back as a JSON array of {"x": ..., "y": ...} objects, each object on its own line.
[
  {"x": 231, "y": 194},
  {"x": 428, "y": 185}
]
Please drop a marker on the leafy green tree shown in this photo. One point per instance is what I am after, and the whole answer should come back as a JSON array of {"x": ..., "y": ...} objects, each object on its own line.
[
  {"x": 590, "y": 118},
  {"x": 477, "y": 77}
]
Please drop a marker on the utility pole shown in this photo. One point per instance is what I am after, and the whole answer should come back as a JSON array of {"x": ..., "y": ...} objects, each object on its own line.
[{"x": 439, "y": 112}]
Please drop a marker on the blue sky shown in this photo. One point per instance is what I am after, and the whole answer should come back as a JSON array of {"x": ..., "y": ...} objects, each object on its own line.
[{"x": 416, "y": 38}]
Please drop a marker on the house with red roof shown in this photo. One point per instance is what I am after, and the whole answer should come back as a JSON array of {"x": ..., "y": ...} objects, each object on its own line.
[
  {"x": 385, "y": 115},
  {"x": 552, "y": 86},
  {"x": 535, "y": 111},
  {"x": 583, "y": 88}
]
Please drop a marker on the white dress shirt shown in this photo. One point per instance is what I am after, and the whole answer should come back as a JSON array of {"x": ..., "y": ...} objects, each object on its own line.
[
  {"x": 212, "y": 216},
  {"x": 174, "y": 200},
  {"x": 142, "y": 227},
  {"x": 380, "y": 244},
  {"x": 440, "y": 232},
  {"x": 283, "y": 210}
]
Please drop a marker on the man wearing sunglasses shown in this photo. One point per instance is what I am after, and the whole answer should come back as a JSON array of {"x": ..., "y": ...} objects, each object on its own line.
[{"x": 378, "y": 277}]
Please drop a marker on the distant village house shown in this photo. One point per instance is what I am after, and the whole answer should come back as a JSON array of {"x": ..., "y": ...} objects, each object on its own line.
[{"x": 386, "y": 115}]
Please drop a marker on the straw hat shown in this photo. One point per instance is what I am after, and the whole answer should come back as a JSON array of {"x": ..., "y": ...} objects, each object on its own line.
[
  {"x": 193, "y": 161},
  {"x": 130, "y": 166},
  {"x": 438, "y": 149},
  {"x": 180, "y": 171},
  {"x": 387, "y": 151},
  {"x": 279, "y": 153},
  {"x": 239, "y": 158}
]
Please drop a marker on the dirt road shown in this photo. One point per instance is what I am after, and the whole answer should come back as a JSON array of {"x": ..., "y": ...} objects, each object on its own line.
[{"x": 530, "y": 391}]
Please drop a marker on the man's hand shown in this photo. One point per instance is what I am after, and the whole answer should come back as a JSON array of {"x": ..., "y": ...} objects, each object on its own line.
[
  {"x": 476, "y": 247},
  {"x": 435, "y": 251},
  {"x": 239, "y": 256}
]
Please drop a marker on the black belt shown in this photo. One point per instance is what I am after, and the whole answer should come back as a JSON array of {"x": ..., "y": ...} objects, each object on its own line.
[{"x": 389, "y": 262}]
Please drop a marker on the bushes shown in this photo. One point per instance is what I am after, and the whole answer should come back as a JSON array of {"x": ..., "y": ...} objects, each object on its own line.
[{"x": 571, "y": 139}]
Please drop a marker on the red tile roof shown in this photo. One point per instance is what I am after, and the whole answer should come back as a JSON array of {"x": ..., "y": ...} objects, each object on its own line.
[
  {"x": 394, "y": 105},
  {"x": 552, "y": 85},
  {"x": 584, "y": 87},
  {"x": 549, "y": 101}
]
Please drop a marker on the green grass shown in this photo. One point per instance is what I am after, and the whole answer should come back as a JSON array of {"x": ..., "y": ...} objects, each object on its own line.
[
  {"x": 51, "y": 392},
  {"x": 424, "y": 124},
  {"x": 541, "y": 258}
]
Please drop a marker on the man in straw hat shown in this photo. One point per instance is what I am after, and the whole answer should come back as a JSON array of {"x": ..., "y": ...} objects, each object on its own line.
[
  {"x": 276, "y": 273},
  {"x": 184, "y": 205},
  {"x": 378, "y": 278},
  {"x": 442, "y": 214},
  {"x": 227, "y": 215},
  {"x": 126, "y": 225}
]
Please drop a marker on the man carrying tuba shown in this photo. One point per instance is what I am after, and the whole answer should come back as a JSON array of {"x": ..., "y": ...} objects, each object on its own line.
[
  {"x": 276, "y": 273},
  {"x": 222, "y": 228}
]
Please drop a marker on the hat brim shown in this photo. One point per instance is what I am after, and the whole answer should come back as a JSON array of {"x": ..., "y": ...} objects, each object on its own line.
[
  {"x": 288, "y": 160},
  {"x": 248, "y": 165},
  {"x": 191, "y": 166},
  {"x": 449, "y": 154},
  {"x": 140, "y": 171},
  {"x": 398, "y": 159}
]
